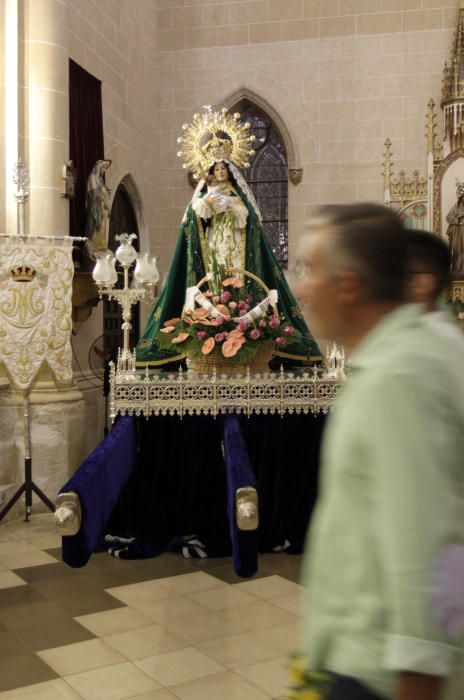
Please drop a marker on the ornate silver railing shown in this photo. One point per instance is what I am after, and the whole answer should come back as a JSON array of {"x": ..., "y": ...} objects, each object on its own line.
[{"x": 182, "y": 393}]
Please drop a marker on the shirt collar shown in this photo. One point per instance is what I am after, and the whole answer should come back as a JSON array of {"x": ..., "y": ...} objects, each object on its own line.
[{"x": 383, "y": 335}]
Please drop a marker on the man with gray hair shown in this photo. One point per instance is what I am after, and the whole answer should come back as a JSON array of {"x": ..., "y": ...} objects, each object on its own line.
[{"x": 391, "y": 501}]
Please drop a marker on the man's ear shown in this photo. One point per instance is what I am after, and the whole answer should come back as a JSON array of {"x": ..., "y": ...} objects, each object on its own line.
[
  {"x": 349, "y": 288},
  {"x": 423, "y": 287}
]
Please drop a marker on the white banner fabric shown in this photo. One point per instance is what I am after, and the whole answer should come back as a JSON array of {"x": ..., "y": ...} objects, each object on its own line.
[{"x": 35, "y": 308}]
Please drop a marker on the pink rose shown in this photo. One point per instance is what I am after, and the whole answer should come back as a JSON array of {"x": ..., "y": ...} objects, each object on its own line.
[
  {"x": 279, "y": 340},
  {"x": 241, "y": 304},
  {"x": 201, "y": 335},
  {"x": 274, "y": 322},
  {"x": 242, "y": 312},
  {"x": 262, "y": 323},
  {"x": 232, "y": 304},
  {"x": 216, "y": 299},
  {"x": 243, "y": 325},
  {"x": 219, "y": 337},
  {"x": 254, "y": 334},
  {"x": 289, "y": 330},
  {"x": 226, "y": 296},
  {"x": 249, "y": 299}
]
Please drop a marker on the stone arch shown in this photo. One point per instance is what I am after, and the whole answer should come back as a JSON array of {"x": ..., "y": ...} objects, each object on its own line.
[
  {"x": 127, "y": 181},
  {"x": 252, "y": 96},
  {"x": 262, "y": 89}
]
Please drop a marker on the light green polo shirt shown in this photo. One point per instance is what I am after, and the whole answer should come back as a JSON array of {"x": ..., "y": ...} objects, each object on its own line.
[{"x": 391, "y": 498}]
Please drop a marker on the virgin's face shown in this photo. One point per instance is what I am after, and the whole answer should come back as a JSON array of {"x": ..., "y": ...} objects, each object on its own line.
[{"x": 220, "y": 172}]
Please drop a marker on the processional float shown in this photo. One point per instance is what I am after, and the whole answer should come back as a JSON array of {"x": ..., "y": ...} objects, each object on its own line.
[{"x": 227, "y": 326}]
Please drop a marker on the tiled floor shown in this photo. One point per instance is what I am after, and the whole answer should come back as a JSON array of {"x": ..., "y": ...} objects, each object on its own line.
[{"x": 159, "y": 629}]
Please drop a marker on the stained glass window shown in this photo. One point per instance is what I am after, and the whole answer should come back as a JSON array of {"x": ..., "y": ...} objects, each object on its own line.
[{"x": 268, "y": 177}]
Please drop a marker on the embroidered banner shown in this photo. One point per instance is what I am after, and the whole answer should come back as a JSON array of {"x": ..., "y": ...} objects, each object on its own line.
[{"x": 35, "y": 307}]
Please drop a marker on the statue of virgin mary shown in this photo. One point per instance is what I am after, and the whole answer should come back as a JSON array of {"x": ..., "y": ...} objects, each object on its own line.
[{"x": 221, "y": 229}]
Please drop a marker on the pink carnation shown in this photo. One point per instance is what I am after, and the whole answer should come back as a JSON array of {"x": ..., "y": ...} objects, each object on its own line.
[
  {"x": 254, "y": 334},
  {"x": 201, "y": 335},
  {"x": 279, "y": 340}
]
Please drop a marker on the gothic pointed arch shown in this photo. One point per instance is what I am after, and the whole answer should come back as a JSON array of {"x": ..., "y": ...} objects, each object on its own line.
[
  {"x": 246, "y": 94},
  {"x": 268, "y": 174}
]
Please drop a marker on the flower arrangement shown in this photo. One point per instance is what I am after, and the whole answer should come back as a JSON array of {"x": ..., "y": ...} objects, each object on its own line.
[
  {"x": 226, "y": 327},
  {"x": 306, "y": 684}
]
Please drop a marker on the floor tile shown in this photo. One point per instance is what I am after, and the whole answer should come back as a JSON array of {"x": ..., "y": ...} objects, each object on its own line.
[
  {"x": 146, "y": 641},
  {"x": 269, "y": 587},
  {"x": 168, "y": 608},
  {"x": 179, "y": 666},
  {"x": 112, "y": 682},
  {"x": 114, "y": 621},
  {"x": 205, "y": 626},
  {"x": 46, "y": 541},
  {"x": 40, "y": 634},
  {"x": 51, "y": 690},
  {"x": 11, "y": 644},
  {"x": 260, "y": 614},
  {"x": 83, "y": 656},
  {"x": 140, "y": 592},
  {"x": 23, "y": 670},
  {"x": 77, "y": 595},
  {"x": 46, "y": 572},
  {"x": 163, "y": 566},
  {"x": 163, "y": 694},
  {"x": 226, "y": 574},
  {"x": 8, "y": 579},
  {"x": 225, "y": 686},
  {"x": 25, "y": 559},
  {"x": 284, "y": 637},
  {"x": 240, "y": 650},
  {"x": 270, "y": 676},
  {"x": 290, "y": 603},
  {"x": 222, "y": 597},
  {"x": 17, "y": 547},
  {"x": 18, "y": 595},
  {"x": 191, "y": 582}
]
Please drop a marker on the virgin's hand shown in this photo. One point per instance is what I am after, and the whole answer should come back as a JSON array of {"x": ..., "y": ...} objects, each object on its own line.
[{"x": 213, "y": 200}]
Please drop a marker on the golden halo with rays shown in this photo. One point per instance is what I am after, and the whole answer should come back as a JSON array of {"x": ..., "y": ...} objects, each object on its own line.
[{"x": 214, "y": 136}]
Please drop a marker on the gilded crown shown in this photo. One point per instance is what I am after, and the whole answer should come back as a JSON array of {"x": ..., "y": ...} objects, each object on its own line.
[
  {"x": 214, "y": 136},
  {"x": 23, "y": 273}
]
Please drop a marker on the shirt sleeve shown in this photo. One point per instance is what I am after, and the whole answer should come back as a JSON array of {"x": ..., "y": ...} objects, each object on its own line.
[{"x": 417, "y": 511}]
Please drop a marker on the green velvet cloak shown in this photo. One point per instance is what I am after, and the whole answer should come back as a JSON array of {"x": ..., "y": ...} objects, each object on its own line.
[{"x": 190, "y": 265}]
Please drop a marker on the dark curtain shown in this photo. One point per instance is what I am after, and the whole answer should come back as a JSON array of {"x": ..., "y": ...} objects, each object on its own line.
[
  {"x": 85, "y": 137},
  {"x": 179, "y": 484}
]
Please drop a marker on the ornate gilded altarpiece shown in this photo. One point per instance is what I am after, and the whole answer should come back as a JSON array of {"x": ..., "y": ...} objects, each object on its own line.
[{"x": 424, "y": 200}]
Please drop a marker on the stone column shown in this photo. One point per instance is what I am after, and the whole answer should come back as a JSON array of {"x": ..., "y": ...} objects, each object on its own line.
[
  {"x": 58, "y": 443},
  {"x": 44, "y": 128}
]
